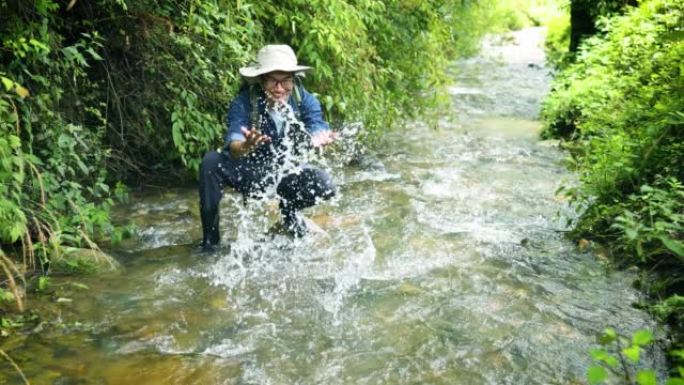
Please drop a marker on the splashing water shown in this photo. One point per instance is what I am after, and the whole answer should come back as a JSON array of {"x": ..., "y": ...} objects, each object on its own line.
[
  {"x": 442, "y": 261},
  {"x": 254, "y": 218}
]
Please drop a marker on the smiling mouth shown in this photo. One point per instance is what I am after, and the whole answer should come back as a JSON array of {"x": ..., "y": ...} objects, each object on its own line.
[{"x": 278, "y": 95}]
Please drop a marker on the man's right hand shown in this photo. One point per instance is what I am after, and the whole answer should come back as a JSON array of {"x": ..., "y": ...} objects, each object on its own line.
[{"x": 253, "y": 139}]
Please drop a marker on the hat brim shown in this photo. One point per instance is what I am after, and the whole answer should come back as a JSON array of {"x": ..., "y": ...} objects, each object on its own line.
[{"x": 251, "y": 73}]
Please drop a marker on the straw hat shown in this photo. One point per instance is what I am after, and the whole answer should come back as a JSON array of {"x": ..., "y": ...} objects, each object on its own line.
[{"x": 273, "y": 58}]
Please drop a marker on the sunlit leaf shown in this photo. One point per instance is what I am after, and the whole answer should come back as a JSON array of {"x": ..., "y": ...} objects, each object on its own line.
[
  {"x": 70, "y": 52},
  {"x": 176, "y": 129},
  {"x": 596, "y": 374},
  {"x": 39, "y": 44},
  {"x": 632, "y": 353},
  {"x": 609, "y": 335},
  {"x": 21, "y": 91},
  {"x": 17, "y": 228},
  {"x": 5, "y": 296},
  {"x": 603, "y": 356},
  {"x": 43, "y": 283},
  {"x": 598, "y": 354},
  {"x": 642, "y": 337},
  {"x": 646, "y": 377},
  {"x": 14, "y": 141},
  {"x": 94, "y": 54},
  {"x": 673, "y": 245},
  {"x": 7, "y": 83},
  {"x": 82, "y": 166}
]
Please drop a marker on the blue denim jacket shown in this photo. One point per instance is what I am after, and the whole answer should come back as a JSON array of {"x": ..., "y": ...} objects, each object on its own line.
[{"x": 239, "y": 115}]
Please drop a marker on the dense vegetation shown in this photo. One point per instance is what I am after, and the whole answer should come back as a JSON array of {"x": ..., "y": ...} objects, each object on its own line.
[
  {"x": 582, "y": 20},
  {"x": 619, "y": 110},
  {"x": 99, "y": 95}
]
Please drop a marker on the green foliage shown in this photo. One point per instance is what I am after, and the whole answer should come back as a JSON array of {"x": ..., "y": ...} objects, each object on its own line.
[
  {"x": 6, "y": 296},
  {"x": 8, "y": 323},
  {"x": 618, "y": 358},
  {"x": 565, "y": 32},
  {"x": 635, "y": 70},
  {"x": 598, "y": 8},
  {"x": 619, "y": 110},
  {"x": 557, "y": 42},
  {"x": 671, "y": 306},
  {"x": 376, "y": 62},
  {"x": 652, "y": 221},
  {"x": 517, "y": 14},
  {"x": 43, "y": 284},
  {"x": 54, "y": 184},
  {"x": 621, "y": 104}
]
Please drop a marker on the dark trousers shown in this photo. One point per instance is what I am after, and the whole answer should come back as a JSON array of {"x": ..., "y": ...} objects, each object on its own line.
[{"x": 296, "y": 190}]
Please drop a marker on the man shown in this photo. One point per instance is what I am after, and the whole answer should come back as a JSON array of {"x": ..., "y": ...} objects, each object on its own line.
[{"x": 264, "y": 122}]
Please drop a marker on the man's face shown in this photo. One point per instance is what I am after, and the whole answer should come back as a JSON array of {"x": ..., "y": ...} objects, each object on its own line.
[{"x": 278, "y": 85}]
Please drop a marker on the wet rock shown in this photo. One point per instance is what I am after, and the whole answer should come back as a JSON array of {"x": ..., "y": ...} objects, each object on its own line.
[
  {"x": 218, "y": 302},
  {"x": 531, "y": 244},
  {"x": 549, "y": 143},
  {"x": 82, "y": 261},
  {"x": 366, "y": 162},
  {"x": 583, "y": 244},
  {"x": 409, "y": 289}
]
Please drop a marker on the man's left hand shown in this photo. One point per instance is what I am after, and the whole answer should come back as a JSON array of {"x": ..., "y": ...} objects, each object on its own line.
[{"x": 323, "y": 138}]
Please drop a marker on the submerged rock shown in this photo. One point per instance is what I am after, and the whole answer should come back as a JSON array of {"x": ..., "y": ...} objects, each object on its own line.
[{"x": 82, "y": 261}]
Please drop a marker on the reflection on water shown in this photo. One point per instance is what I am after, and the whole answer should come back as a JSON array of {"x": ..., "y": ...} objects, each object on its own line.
[{"x": 442, "y": 261}]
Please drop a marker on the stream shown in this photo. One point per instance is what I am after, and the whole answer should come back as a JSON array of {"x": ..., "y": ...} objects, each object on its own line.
[{"x": 441, "y": 261}]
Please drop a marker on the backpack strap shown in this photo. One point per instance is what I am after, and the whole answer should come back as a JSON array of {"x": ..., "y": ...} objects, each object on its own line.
[
  {"x": 298, "y": 96},
  {"x": 254, "y": 101}
]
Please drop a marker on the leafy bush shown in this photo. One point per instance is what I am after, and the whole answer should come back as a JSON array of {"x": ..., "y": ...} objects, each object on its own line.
[
  {"x": 517, "y": 14},
  {"x": 651, "y": 221},
  {"x": 621, "y": 105},
  {"x": 621, "y": 358},
  {"x": 619, "y": 109},
  {"x": 557, "y": 42}
]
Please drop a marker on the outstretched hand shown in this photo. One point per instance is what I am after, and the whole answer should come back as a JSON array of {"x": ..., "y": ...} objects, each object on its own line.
[
  {"x": 323, "y": 138},
  {"x": 253, "y": 139}
]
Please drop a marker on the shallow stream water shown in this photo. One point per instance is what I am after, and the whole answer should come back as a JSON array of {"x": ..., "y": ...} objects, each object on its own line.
[{"x": 441, "y": 261}]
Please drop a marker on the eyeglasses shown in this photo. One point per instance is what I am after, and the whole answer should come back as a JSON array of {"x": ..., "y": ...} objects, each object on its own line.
[{"x": 286, "y": 83}]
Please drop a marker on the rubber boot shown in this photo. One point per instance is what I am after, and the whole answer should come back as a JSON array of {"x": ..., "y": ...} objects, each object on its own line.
[{"x": 210, "y": 230}]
